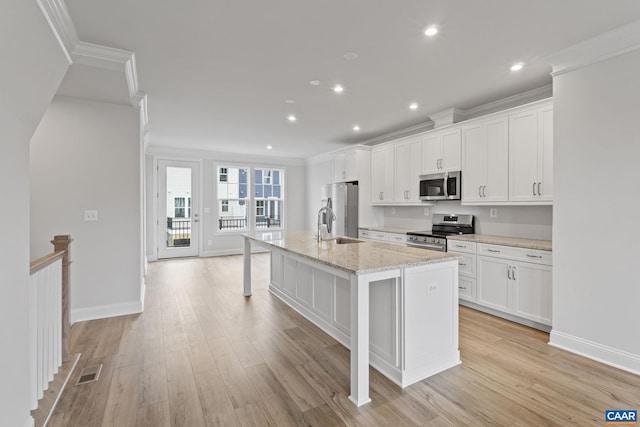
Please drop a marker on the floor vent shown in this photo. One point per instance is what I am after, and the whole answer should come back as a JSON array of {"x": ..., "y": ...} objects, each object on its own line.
[{"x": 89, "y": 375}]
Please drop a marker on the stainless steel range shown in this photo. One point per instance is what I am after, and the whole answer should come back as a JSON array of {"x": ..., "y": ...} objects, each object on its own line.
[{"x": 443, "y": 225}]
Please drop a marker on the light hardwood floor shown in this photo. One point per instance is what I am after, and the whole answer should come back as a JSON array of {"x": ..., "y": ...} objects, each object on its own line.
[{"x": 201, "y": 354}]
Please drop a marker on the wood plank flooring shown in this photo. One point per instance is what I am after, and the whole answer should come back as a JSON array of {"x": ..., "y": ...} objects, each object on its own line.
[{"x": 203, "y": 355}]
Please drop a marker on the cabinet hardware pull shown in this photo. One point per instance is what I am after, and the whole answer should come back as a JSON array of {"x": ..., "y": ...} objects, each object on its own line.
[
  {"x": 462, "y": 264},
  {"x": 484, "y": 194},
  {"x": 534, "y": 188},
  {"x": 495, "y": 251},
  {"x": 480, "y": 190},
  {"x": 513, "y": 273},
  {"x": 381, "y": 195},
  {"x": 509, "y": 273},
  {"x": 539, "y": 194},
  {"x": 462, "y": 287},
  {"x": 460, "y": 246},
  {"x": 534, "y": 256}
]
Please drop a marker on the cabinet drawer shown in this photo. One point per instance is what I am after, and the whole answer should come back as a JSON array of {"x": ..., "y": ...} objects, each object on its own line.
[
  {"x": 460, "y": 246},
  {"x": 466, "y": 265},
  {"x": 467, "y": 288},
  {"x": 397, "y": 238},
  {"x": 373, "y": 235},
  {"x": 364, "y": 234},
  {"x": 518, "y": 254}
]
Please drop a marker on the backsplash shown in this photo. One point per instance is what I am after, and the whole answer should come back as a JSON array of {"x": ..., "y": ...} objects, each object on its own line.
[{"x": 532, "y": 222}]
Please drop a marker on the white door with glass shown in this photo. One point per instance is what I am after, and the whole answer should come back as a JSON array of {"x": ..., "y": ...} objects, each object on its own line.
[{"x": 178, "y": 218}]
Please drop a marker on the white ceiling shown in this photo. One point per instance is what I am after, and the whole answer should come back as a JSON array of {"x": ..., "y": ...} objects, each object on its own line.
[{"x": 218, "y": 72}]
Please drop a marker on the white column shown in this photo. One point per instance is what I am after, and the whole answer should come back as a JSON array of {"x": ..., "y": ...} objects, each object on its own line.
[
  {"x": 247, "y": 267},
  {"x": 359, "y": 340}
]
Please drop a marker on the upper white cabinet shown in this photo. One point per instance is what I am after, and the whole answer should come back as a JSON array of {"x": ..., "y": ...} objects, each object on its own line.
[
  {"x": 485, "y": 162},
  {"x": 407, "y": 171},
  {"x": 382, "y": 174},
  {"x": 441, "y": 151},
  {"x": 347, "y": 165},
  {"x": 531, "y": 155}
]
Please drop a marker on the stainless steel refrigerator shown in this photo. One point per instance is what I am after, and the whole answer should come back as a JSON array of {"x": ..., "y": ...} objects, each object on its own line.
[{"x": 343, "y": 199}]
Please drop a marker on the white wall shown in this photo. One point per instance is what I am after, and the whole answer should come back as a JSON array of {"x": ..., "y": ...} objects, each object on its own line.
[
  {"x": 319, "y": 172},
  {"x": 596, "y": 250},
  {"x": 86, "y": 156},
  {"x": 533, "y": 222},
  {"x": 223, "y": 243},
  {"x": 33, "y": 66}
]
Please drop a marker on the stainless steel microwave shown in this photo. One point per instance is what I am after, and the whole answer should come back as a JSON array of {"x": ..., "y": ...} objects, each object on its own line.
[{"x": 440, "y": 186}]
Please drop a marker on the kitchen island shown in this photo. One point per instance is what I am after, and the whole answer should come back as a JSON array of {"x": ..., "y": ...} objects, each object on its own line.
[{"x": 393, "y": 306}]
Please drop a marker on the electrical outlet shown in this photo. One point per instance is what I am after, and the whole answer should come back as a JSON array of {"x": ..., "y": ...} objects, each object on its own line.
[
  {"x": 426, "y": 211},
  {"x": 90, "y": 215},
  {"x": 493, "y": 213},
  {"x": 431, "y": 288}
]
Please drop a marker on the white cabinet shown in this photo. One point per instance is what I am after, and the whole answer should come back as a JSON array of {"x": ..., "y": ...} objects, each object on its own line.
[
  {"x": 531, "y": 155},
  {"x": 397, "y": 238},
  {"x": 382, "y": 174},
  {"x": 441, "y": 151},
  {"x": 485, "y": 162},
  {"x": 347, "y": 165},
  {"x": 407, "y": 171},
  {"x": 466, "y": 268},
  {"x": 515, "y": 281}
]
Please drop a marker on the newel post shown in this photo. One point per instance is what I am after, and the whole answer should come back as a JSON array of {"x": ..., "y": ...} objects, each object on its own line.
[{"x": 63, "y": 243}]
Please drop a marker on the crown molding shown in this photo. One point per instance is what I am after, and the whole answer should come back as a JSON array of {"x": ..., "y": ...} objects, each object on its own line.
[
  {"x": 617, "y": 42},
  {"x": 537, "y": 94},
  {"x": 400, "y": 133},
  {"x": 58, "y": 18}
]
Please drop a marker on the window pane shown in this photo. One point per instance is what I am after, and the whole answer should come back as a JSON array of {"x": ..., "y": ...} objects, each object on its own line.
[
  {"x": 276, "y": 177},
  {"x": 269, "y": 213},
  {"x": 258, "y": 190},
  {"x": 232, "y": 215},
  {"x": 276, "y": 191},
  {"x": 267, "y": 191}
]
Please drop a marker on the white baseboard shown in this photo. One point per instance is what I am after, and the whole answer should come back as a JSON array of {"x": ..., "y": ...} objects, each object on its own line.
[
  {"x": 103, "y": 311},
  {"x": 592, "y": 350},
  {"x": 30, "y": 422}
]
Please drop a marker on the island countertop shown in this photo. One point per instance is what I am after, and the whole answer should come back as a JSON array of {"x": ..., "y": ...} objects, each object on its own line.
[{"x": 358, "y": 258}]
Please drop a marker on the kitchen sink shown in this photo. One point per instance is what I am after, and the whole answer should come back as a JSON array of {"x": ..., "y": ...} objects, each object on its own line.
[{"x": 346, "y": 240}]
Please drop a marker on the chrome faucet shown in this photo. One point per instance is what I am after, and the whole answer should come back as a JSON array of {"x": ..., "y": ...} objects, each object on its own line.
[{"x": 324, "y": 210}]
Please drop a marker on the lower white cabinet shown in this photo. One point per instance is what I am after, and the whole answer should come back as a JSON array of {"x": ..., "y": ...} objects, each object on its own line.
[
  {"x": 397, "y": 238},
  {"x": 505, "y": 279}
]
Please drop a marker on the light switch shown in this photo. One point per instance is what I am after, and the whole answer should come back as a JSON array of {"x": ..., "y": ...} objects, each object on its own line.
[{"x": 90, "y": 215}]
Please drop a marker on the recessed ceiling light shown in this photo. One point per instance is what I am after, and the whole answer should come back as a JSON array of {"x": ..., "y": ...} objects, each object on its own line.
[
  {"x": 413, "y": 106},
  {"x": 350, "y": 56},
  {"x": 291, "y": 118},
  {"x": 517, "y": 66},
  {"x": 338, "y": 89},
  {"x": 314, "y": 82},
  {"x": 431, "y": 31},
  {"x": 269, "y": 147},
  {"x": 356, "y": 128},
  {"x": 290, "y": 101}
]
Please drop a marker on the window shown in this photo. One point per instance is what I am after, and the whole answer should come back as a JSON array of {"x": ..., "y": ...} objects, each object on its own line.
[
  {"x": 178, "y": 203},
  {"x": 233, "y": 193},
  {"x": 269, "y": 197}
]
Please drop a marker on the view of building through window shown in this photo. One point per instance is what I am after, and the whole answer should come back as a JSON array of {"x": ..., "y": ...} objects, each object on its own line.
[{"x": 235, "y": 203}]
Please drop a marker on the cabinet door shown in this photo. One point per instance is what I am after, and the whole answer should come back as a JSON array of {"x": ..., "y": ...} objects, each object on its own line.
[
  {"x": 339, "y": 167},
  {"x": 377, "y": 175},
  {"x": 545, "y": 153},
  {"x": 473, "y": 164},
  {"x": 451, "y": 157},
  {"x": 383, "y": 315},
  {"x": 497, "y": 161},
  {"x": 351, "y": 166},
  {"x": 407, "y": 171},
  {"x": 467, "y": 288},
  {"x": 431, "y": 153},
  {"x": 388, "y": 175},
  {"x": 523, "y": 156},
  {"x": 532, "y": 291},
  {"x": 493, "y": 284}
]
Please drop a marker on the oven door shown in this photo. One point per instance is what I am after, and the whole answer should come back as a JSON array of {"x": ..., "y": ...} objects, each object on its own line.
[{"x": 433, "y": 187}]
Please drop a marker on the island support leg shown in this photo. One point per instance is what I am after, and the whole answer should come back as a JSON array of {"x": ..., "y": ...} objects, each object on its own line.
[
  {"x": 359, "y": 340},
  {"x": 247, "y": 267}
]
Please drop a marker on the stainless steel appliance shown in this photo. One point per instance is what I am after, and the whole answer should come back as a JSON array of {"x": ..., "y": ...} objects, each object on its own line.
[
  {"x": 443, "y": 225},
  {"x": 440, "y": 186},
  {"x": 342, "y": 198}
]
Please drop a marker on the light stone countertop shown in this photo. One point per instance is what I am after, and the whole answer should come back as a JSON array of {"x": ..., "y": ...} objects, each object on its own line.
[
  {"x": 518, "y": 242},
  {"x": 389, "y": 229},
  {"x": 358, "y": 258}
]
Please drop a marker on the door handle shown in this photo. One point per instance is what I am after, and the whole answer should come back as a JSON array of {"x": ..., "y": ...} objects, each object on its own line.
[
  {"x": 380, "y": 195},
  {"x": 539, "y": 194},
  {"x": 533, "y": 189},
  {"x": 484, "y": 187},
  {"x": 509, "y": 273},
  {"x": 480, "y": 190},
  {"x": 513, "y": 273}
]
